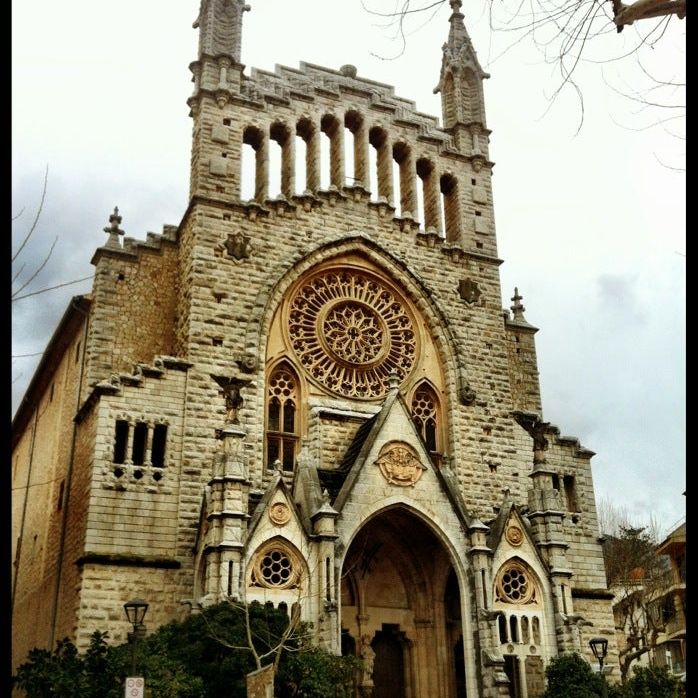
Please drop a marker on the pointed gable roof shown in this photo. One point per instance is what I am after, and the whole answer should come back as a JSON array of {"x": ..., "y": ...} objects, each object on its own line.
[
  {"x": 372, "y": 433},
  {"x": 507, "y": 512},
  {"x": 277, "y": 483}
]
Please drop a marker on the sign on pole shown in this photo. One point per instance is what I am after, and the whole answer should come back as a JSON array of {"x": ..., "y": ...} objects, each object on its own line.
[{"x": 135, "y": 687}]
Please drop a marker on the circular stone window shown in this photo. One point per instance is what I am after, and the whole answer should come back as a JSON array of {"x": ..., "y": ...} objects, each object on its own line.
[
  {"x": 514, "y": 585},
  {"x": 276, "y": 568},
  {"x": 350, "y": 331}
]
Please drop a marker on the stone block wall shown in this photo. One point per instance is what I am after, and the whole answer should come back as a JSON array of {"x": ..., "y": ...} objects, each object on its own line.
[
  {"x": 41, "y": 463},
  {"x": 134, "y": 310}
]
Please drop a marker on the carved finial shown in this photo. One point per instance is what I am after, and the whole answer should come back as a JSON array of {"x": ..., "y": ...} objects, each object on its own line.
[
  {"x": 456, "y": 5},
  {"x": 278, "y": 468},
  {"x": 518, "y": 308},
  {"x": 113, "y": 229},
  {"x": 393, "y": 380},
  {"x": 325, "y": 496}
]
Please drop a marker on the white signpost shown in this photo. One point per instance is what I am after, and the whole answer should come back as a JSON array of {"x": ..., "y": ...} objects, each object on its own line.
[{"x": 135, "y": 687}]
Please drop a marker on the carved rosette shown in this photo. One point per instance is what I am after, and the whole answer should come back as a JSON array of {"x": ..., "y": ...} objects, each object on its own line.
[
  {"x": 514, "y": 535},
  {"x": 279, "y": 514},
  {"x": 400, "y": 465},
  {"x": 350, "y": 330}
]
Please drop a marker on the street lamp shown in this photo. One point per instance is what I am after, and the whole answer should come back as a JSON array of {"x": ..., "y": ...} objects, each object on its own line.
[
  {"x": 599, "y": 646},
  {"x": 135, "y": 612}
]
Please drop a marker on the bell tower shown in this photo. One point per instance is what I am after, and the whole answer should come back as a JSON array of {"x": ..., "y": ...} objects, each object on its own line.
[{"x": 460, "y": 85}]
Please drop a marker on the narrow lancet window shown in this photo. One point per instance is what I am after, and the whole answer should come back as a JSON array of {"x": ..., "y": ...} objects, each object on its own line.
[{"x": 282, "y": 418}]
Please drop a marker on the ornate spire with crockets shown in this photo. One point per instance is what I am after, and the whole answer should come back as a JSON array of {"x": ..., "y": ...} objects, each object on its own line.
[
  {"x": 460, "y": 82},
  {"x": 220, "y": 28}
]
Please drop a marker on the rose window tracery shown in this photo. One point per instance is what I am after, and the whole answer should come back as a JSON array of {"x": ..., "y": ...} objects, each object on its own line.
[
  {"x": 276, "y": 567},
  {"x": 350, "y": 331},
  {"x": 514, "y": 585}
]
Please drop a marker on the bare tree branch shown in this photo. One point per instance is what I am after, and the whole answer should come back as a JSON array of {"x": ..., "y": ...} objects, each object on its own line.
[
  {"x": 36, "y": 273},
  {"x": 50, "y": 288},
  {"x": 36, "y": 219}
]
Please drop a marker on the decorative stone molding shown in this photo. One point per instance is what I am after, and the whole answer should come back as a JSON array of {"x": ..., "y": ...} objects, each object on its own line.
[
  {"x": 238, "y": 246},
  {"x": 279, "y": 514},
  {"x": 514, "y": 536},
  {"x": 400, "y": 465},
  {"x": 469, "y": 290}
]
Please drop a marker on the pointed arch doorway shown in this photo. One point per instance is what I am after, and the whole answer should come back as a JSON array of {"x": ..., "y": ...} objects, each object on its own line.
[{"x": 401, "y": 610}]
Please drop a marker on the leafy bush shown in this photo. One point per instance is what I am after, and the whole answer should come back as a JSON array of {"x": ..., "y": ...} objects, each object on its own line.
[
  {"x": 570, "y": 676},
  {"x": 206, "y": 656}
]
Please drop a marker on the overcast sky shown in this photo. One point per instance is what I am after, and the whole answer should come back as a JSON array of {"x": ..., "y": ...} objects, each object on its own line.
[{"x": 591, "y": 226}]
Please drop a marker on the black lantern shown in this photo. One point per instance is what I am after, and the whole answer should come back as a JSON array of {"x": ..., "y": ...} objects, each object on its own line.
[
  {"x": 135, "y": 612},
  {"x": 599, "y": 646}
]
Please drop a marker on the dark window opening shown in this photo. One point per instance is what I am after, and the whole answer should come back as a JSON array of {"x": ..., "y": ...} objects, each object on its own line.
[
  {"x": 502, "y": 623},
  {"x": 157, "y": 455},
  {"x": 328, "y": 585},
  {"x": 511, "y": 669},
  {"x": 570, "y": 492},
  {"x": 556, "y": 482},
  {"x": 140, "y": 434},
  {"x": 61, "y": 492},
  {"x": 425, "y": 414},
  {"x": 120, "y": 440},
  {"x": 274, "y": 413},
  {"x": 77, "y": 352}
]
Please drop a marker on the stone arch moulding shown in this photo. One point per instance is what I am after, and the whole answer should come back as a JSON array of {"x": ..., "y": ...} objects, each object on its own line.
[
  {"x": 293, "y": 574},
  {"x": 287, "y": 272},
  {"x": 454, "y": 542}
]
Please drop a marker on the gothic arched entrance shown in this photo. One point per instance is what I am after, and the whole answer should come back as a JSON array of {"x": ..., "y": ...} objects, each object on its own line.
[{"x": 400, "y": 604}]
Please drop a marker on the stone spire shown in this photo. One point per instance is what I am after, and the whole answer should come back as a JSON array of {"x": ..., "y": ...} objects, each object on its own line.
[
  {"x": 458, "y": 51},
  {"x": 460, "y": 82},
  {"x": 220, "y": 28}
]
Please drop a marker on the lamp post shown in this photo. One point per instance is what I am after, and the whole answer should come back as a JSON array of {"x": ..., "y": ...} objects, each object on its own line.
[
  {"x": 135, "y": 612},
  {"x": 599, "y": 646}
]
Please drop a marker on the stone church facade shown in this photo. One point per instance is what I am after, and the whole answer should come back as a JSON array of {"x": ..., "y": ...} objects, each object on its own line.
[{"x": 313, "y": 399}]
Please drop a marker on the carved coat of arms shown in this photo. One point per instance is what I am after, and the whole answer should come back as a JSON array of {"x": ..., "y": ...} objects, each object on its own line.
[{"x": 400, "y": 465}]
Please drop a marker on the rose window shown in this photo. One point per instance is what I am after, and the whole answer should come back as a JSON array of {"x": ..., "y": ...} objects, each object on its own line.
[
  {"x": 515, "y": 586},
  {"x": 350, "y": 332},
  {"x": 276, "y": 568}
]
